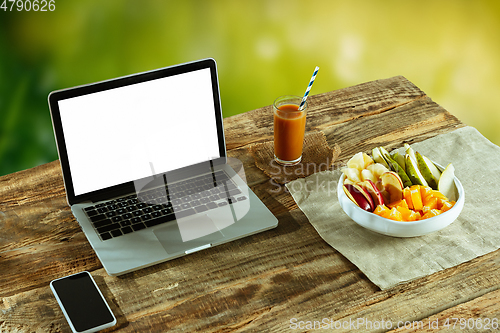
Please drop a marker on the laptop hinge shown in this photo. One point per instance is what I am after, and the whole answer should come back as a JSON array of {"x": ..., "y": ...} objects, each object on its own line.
[{"x": 199, "y": 248}]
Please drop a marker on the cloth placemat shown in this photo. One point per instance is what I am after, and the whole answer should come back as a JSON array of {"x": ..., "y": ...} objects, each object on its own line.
[
  {"x": 388, "y": 261},
  {"x": 316, "y": 156}
]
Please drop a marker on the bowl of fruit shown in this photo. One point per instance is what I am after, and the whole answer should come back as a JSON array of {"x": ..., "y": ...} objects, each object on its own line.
[{"x": 400, "y": 195}]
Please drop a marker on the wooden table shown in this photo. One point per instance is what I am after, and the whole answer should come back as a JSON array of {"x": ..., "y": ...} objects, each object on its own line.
[{"x": 275, "y": 281}]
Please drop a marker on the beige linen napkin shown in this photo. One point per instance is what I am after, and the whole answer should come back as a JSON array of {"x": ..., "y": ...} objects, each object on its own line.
[{"x": 388, "y": 261}]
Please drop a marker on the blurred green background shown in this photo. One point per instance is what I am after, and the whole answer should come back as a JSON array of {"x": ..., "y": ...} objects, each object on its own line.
[{"x": 448, "y": 48}]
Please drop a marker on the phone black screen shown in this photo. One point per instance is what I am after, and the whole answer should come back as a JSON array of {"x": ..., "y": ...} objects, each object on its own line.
[{"x": 82, "y": 301}]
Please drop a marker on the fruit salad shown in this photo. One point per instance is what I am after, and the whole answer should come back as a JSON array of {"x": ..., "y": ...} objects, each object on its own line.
[{"x": 399, "y": 187}]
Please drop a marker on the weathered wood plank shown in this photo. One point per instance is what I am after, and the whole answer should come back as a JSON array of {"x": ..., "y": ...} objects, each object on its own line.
[
  {"x": 427, "y": 296},
  {"x": 38, "y": 242},
  {"x": 31, "y": 185},
  {"x": 415, "y": 121},
  {"x": 477, "y": 315}
]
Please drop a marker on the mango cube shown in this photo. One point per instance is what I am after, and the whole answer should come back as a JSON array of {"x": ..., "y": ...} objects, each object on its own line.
[
  {"x": 447, "y": 205},
  {"x": 398, "y": 203},
  {"x": 418, "y": 202},
  {"x": 414, "y": 216},
  {"x": 382, "y": 210},
  {"x": 425, "y": 191},
  {"x": 405, "y": 213},
  {"x": 431, "y": 213},
  {"x": 439, "y": 195},
  {"x": 395, "y": 215},
  {"x": 407, "y": 197},
  {"x": 416, "y": 197}
]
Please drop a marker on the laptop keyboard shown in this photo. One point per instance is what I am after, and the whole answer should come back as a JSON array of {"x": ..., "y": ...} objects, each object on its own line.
[{"x": 150, "y": 208}]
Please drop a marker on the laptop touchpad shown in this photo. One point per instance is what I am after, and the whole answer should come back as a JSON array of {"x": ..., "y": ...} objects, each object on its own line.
[{"x": 187, "y": 234}]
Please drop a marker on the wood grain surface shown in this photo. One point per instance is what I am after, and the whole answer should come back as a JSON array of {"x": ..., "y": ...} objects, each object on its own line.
[{"x": 269, "y": 282}]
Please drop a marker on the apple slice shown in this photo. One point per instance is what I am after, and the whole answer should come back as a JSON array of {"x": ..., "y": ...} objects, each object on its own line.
[
  {"x": 355, "y": 193},
  {"x": 356, "y": 162},
  {"x": 348, "y": 181},
  {"x": 359, "y": 161},
  {"x": 381, "y": 189},
  {"x": 374, "y": 192},
  {"x": 367, "y": 196},
  {"x": 393, "y": 185},
  {"x": 367, "y": 175},
  {"x": 352, "y": 174},
  {"x": 377, "y": 169}
]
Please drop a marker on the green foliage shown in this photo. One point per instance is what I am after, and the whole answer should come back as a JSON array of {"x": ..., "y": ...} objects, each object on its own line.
[{"x": 26, "y": 137}]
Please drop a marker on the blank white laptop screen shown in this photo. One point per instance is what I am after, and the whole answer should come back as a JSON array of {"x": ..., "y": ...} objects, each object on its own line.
[{"x": 127, "y": 133}]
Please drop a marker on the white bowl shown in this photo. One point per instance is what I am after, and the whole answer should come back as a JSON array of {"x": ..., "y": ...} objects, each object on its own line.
[{"x": 388, "y": 227}]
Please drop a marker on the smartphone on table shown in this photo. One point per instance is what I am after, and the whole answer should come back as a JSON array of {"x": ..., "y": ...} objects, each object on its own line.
[{"x": 82, "y": 303}]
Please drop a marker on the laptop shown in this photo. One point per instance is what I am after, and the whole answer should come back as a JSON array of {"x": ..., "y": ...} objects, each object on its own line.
[{"x": 145, "y": 169}]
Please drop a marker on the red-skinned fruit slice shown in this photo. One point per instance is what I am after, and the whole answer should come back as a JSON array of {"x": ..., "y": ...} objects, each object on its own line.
[
  {"x": 392, "y": 184},
  {"x": 366, "y": 194},
  {"x": 374, "y": 192},
  {"x": 353, "y": 192}
]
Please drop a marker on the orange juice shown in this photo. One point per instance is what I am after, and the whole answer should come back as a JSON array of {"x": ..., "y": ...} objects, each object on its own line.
[{"x": 289, "y": 127}]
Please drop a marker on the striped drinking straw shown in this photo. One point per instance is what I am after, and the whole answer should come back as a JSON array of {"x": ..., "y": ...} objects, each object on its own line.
[{"x": 303, "y": 102}]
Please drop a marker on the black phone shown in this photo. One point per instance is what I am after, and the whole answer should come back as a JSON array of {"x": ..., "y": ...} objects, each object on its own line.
[{"x": 82, "y": 303}]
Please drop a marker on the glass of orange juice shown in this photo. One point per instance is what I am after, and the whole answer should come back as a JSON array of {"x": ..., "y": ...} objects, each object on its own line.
[{"x": 289, "y": 128}]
